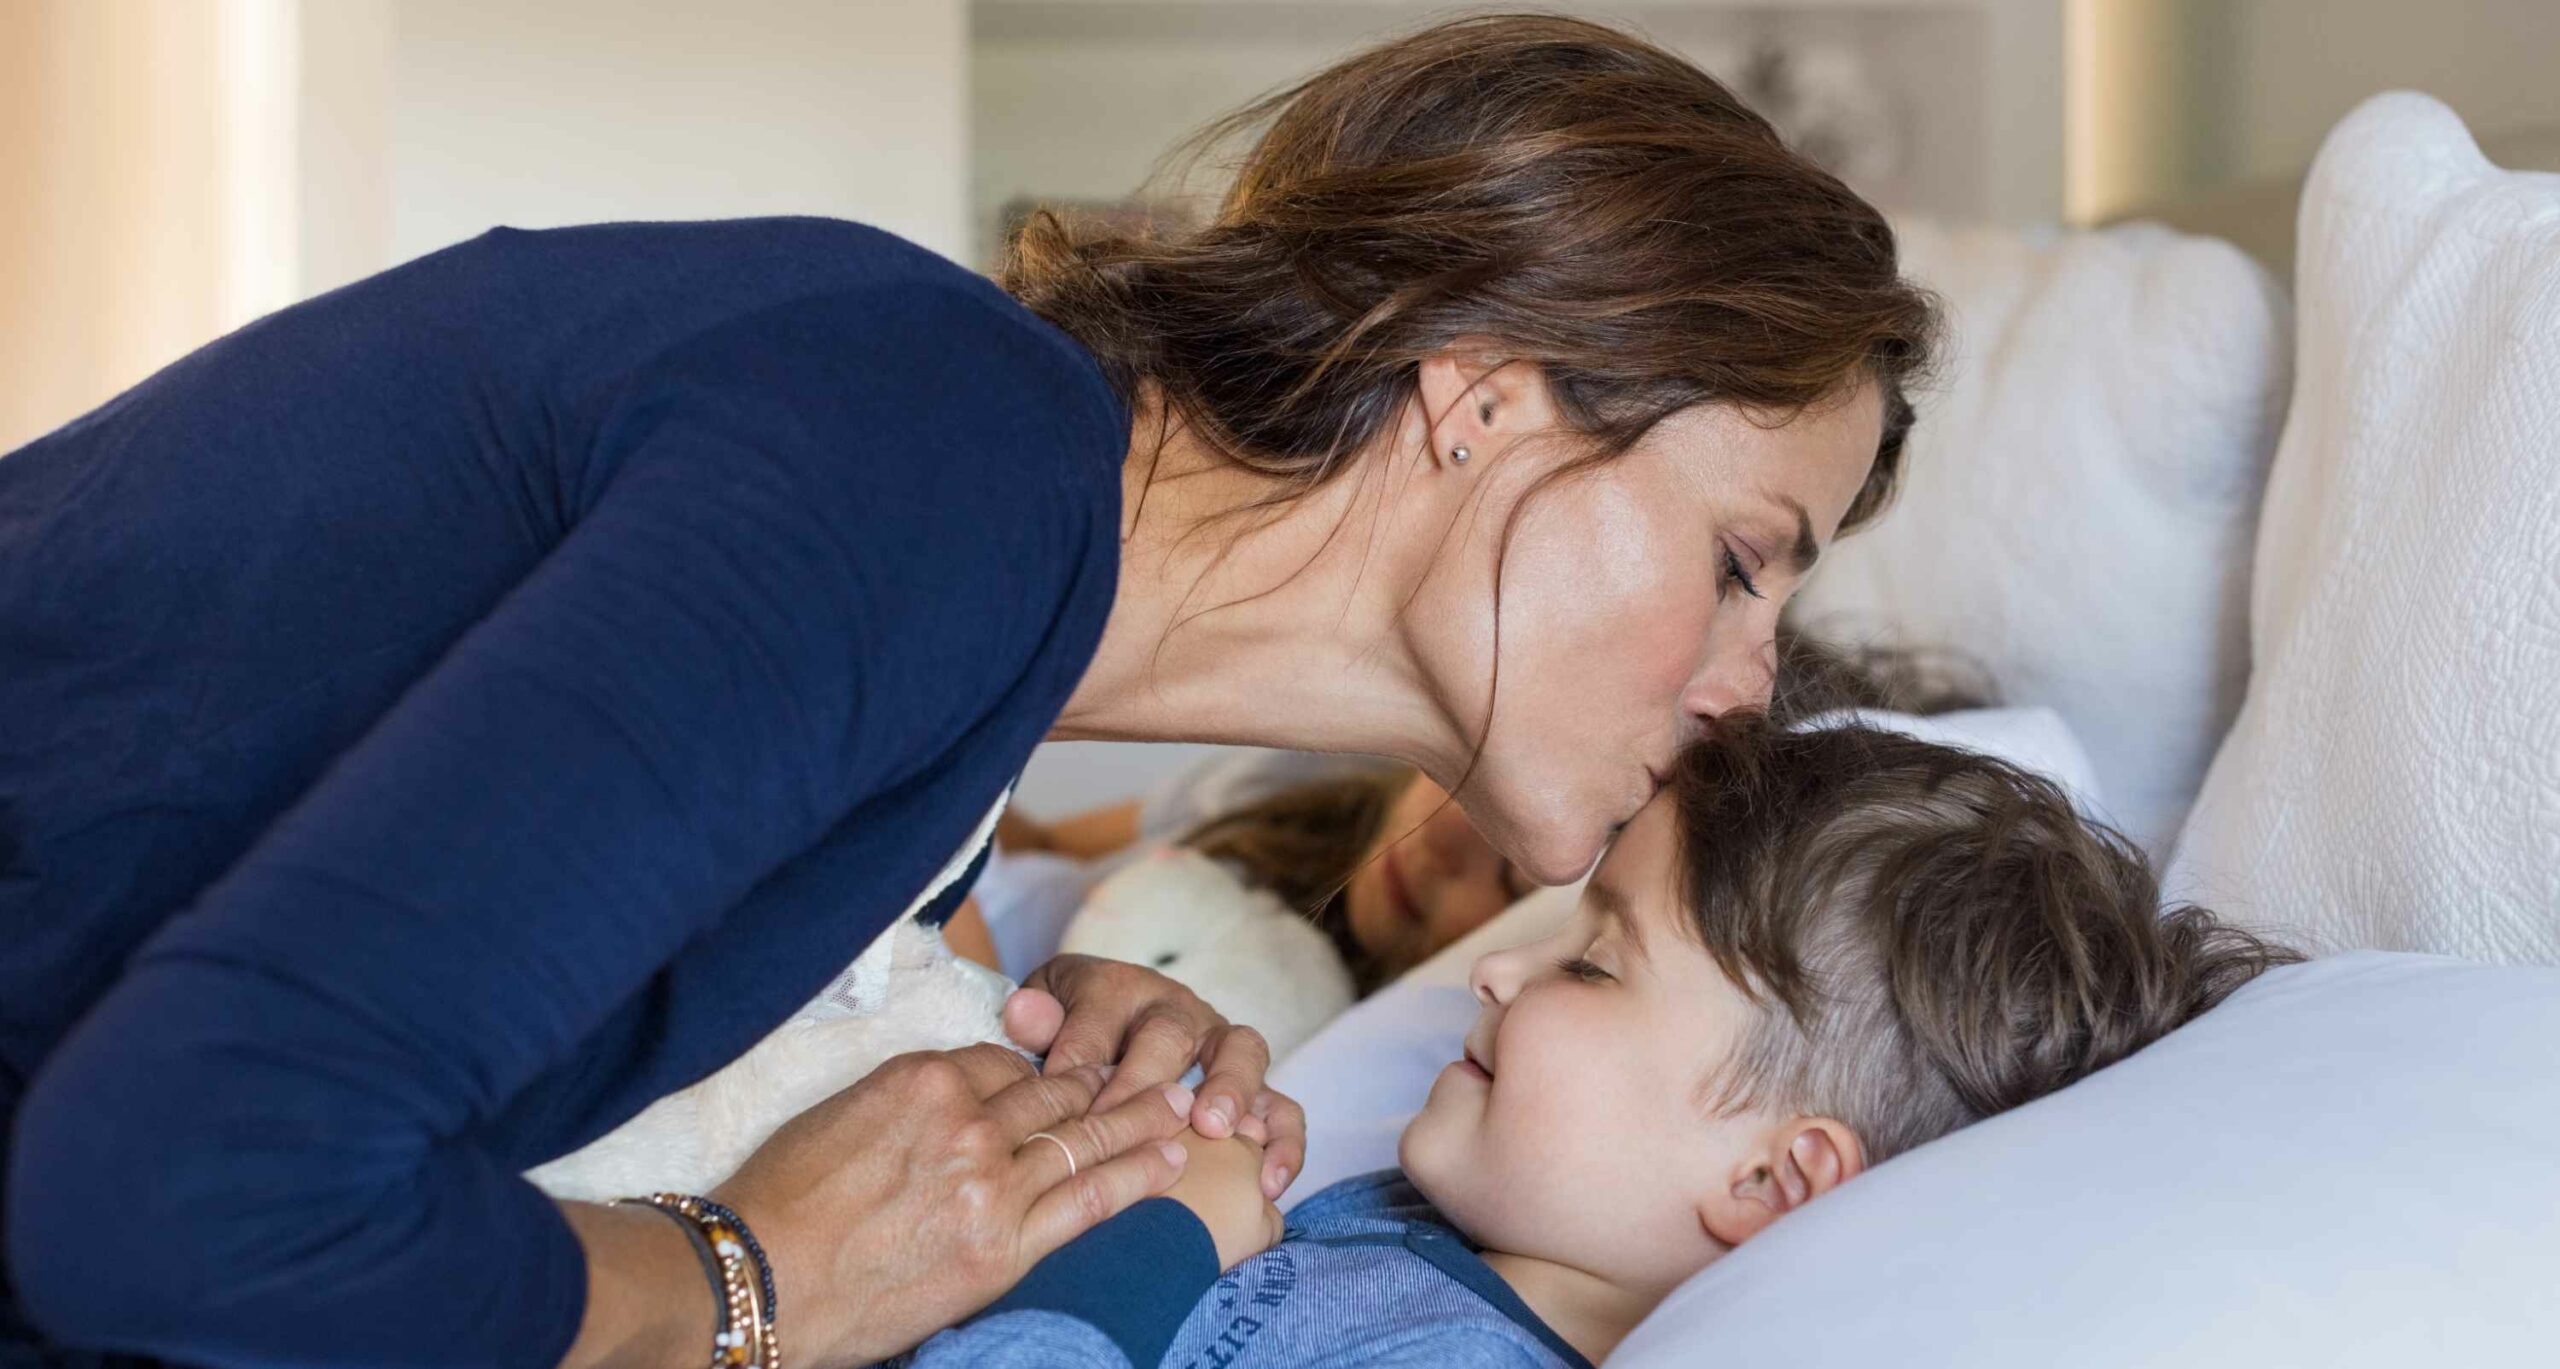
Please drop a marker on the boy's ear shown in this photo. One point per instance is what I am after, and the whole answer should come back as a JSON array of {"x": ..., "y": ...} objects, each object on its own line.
[{"x": 1798, "y": 1161}]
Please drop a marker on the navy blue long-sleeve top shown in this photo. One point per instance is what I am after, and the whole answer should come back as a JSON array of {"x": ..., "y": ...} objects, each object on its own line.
[{"x": 447, "y": 714}]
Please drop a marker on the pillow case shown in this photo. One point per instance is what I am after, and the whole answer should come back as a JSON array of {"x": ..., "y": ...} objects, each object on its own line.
[
  {"x": 2393, "y": 779},
  {"x": 1363, "y": 1076},
  {"x": 2081, "y": 486},
  {"x": 2347, "y": 1164}
]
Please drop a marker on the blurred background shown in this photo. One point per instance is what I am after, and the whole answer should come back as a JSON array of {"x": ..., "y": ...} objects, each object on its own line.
[{"x": 170, "y": 169}]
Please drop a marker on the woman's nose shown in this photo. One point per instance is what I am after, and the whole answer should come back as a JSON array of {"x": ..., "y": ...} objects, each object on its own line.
[{"x": 1737, "y": 677}]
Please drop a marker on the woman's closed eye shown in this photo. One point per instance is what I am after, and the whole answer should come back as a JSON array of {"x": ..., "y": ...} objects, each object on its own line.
[
  {"x": 1583, "y": 970},
  {"x": 1734, "y": 574}
]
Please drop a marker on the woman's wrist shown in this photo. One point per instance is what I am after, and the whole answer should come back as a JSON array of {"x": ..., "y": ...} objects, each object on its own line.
[
  {"x": 744, "y": 1336},
  {"x": 648, "y": 1304}
]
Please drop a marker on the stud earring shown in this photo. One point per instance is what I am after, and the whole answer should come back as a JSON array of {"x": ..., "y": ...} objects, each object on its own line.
[{"x": 1459, "y": 455}]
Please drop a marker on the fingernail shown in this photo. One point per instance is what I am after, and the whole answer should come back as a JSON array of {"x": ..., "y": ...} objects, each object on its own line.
[
  {"x": 1262, "y": 1105},
  {"x": 1174, "y": 1154},
  {"x": 1222, "y": 1115},
  {"x": 1108, "y": 1071},
  {"x": 1180, "y": 1098},
  {"x": 1275, "y": 1179}
]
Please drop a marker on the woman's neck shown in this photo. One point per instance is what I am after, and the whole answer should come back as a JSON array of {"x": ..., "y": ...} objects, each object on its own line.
[
  {"x": 1267, "y": 627},
  {"x": 1590, "y": 1312}
]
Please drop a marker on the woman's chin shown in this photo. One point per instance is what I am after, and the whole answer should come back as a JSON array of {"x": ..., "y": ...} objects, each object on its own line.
[
  {"x": 1553, "y": 835},
  {"x": 1562, "y": 852}
]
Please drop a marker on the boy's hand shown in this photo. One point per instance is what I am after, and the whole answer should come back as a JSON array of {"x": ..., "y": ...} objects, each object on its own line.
[{"x": 1222, "y": 1185}]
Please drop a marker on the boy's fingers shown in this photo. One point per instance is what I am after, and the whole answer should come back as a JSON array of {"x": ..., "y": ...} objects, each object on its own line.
[
  {"x": 1237, "y": 1060},
  {"x": 1285, "y": 1154},
  {"x": 1097, "y": 1193}
]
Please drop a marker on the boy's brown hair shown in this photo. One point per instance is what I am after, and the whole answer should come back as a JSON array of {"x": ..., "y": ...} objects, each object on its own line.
[{"x": 1936, "y": 935}]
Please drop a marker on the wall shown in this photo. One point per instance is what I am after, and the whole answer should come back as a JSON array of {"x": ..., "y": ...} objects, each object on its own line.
[
  {"x": 2302, "y": 64},
  {"x": 2174, "y": 97},
  {"x": 573, "y": 111},
  {"x": 170, "y": 169}
]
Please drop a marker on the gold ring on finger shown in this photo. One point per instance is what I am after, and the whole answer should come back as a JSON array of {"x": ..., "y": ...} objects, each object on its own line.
[{"x": 1063, "y": 1149}]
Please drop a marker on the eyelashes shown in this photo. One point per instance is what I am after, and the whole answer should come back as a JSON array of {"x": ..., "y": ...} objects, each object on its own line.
[
  {"x": 1583, "y": 969},
  {"x": 1736, "y": 575}
]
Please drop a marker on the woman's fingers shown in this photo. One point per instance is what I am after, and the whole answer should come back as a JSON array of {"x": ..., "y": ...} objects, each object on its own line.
[
  {"x": 902, "y": 1204},
  {"x": 1091, "y": 1139},
  {"x": 1032, "y": 1018},
  {"x": 1092, "y": 1018},
  {"x": 1118, "y": 1157},
  {"x": 1148, "y": 1025},
  {"x": 1038, "y": 1102},
  {"x": 1284, "y": 1155},
  {"x": 1159, "y": 1051},
  {"x": 990, "y": 1068},
  {"x": 1235, "y": 1060}
]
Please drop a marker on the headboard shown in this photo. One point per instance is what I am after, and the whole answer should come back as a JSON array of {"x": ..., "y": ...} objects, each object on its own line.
[{"x": 2258, "y": 216}]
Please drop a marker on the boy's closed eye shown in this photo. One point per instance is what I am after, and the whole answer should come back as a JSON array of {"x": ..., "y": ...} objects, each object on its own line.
[{"x": 1583, "y": 969}]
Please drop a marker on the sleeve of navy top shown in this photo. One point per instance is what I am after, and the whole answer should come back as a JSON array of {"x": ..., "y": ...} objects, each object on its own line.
[
  {"x": 259, "y": 1146},
  {"x": 1111, "y": 1297}
]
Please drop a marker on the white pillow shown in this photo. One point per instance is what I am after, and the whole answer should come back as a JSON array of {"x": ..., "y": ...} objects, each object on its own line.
[
  {"x": 2394, "y": 778},
  {"x": 2347, "y": 1164},
  {"x": 2077, "y": 507},
  {"x": 1365, "y": 1074}
]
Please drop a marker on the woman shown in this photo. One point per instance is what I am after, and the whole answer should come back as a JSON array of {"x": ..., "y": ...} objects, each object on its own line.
[{"x": 451, "y": 712}]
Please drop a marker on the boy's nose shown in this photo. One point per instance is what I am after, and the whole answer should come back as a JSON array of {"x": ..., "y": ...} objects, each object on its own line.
[{"x": 1498, "y": 975}]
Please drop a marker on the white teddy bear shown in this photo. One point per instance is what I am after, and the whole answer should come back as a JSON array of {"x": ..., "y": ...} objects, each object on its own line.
[
  {"x": 1247, "y": 954},
  {"x": 1240, "y": 948},
  {"x": 692, "y": 1139}
]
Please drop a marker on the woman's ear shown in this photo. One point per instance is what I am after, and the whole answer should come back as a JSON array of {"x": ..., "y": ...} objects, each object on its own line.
[
  {"x": 1472, "y": 396},
  {"x": 1796, "y": 1162}
]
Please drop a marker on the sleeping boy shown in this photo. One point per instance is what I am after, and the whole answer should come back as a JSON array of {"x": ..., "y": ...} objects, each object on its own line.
[{"x": 1811, "y": 952}]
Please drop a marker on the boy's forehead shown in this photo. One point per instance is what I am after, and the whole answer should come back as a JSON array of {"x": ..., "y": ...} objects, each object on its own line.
[{"x": 1639, "y": 861}]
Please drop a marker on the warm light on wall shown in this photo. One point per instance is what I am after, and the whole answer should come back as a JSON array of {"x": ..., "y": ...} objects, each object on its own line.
[
  {"x": 261, "y": 63},
  {"x": 150, "y": 157}
]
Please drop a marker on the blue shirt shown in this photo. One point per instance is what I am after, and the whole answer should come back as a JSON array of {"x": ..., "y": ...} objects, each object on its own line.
[
  {"x": 1368, "y": 1274},
  {"x": 447, "y": 714}
]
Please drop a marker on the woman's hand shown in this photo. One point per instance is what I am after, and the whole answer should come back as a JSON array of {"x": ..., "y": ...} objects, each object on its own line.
[
  {"x": 1083, "y": 1011},
  {"x": 1222, "y": 1186},
  {"x": 917, "y": 1196}
]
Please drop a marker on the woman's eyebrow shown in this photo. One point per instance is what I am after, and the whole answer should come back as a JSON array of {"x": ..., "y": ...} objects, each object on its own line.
[{"x": 1806, "y": 551}]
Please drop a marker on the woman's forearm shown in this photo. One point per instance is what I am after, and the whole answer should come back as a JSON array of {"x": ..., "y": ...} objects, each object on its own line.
[{"x": 649, "y": 1304}]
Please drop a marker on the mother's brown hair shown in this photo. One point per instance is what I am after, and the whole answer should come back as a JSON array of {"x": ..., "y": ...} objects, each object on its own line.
[{"x": 1595, "y": 204}]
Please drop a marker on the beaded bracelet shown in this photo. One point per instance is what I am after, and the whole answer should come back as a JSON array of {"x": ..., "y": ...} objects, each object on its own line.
[
  {"x": 755, "y": 1250},
  {"x": 746, "y": 1338}
]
